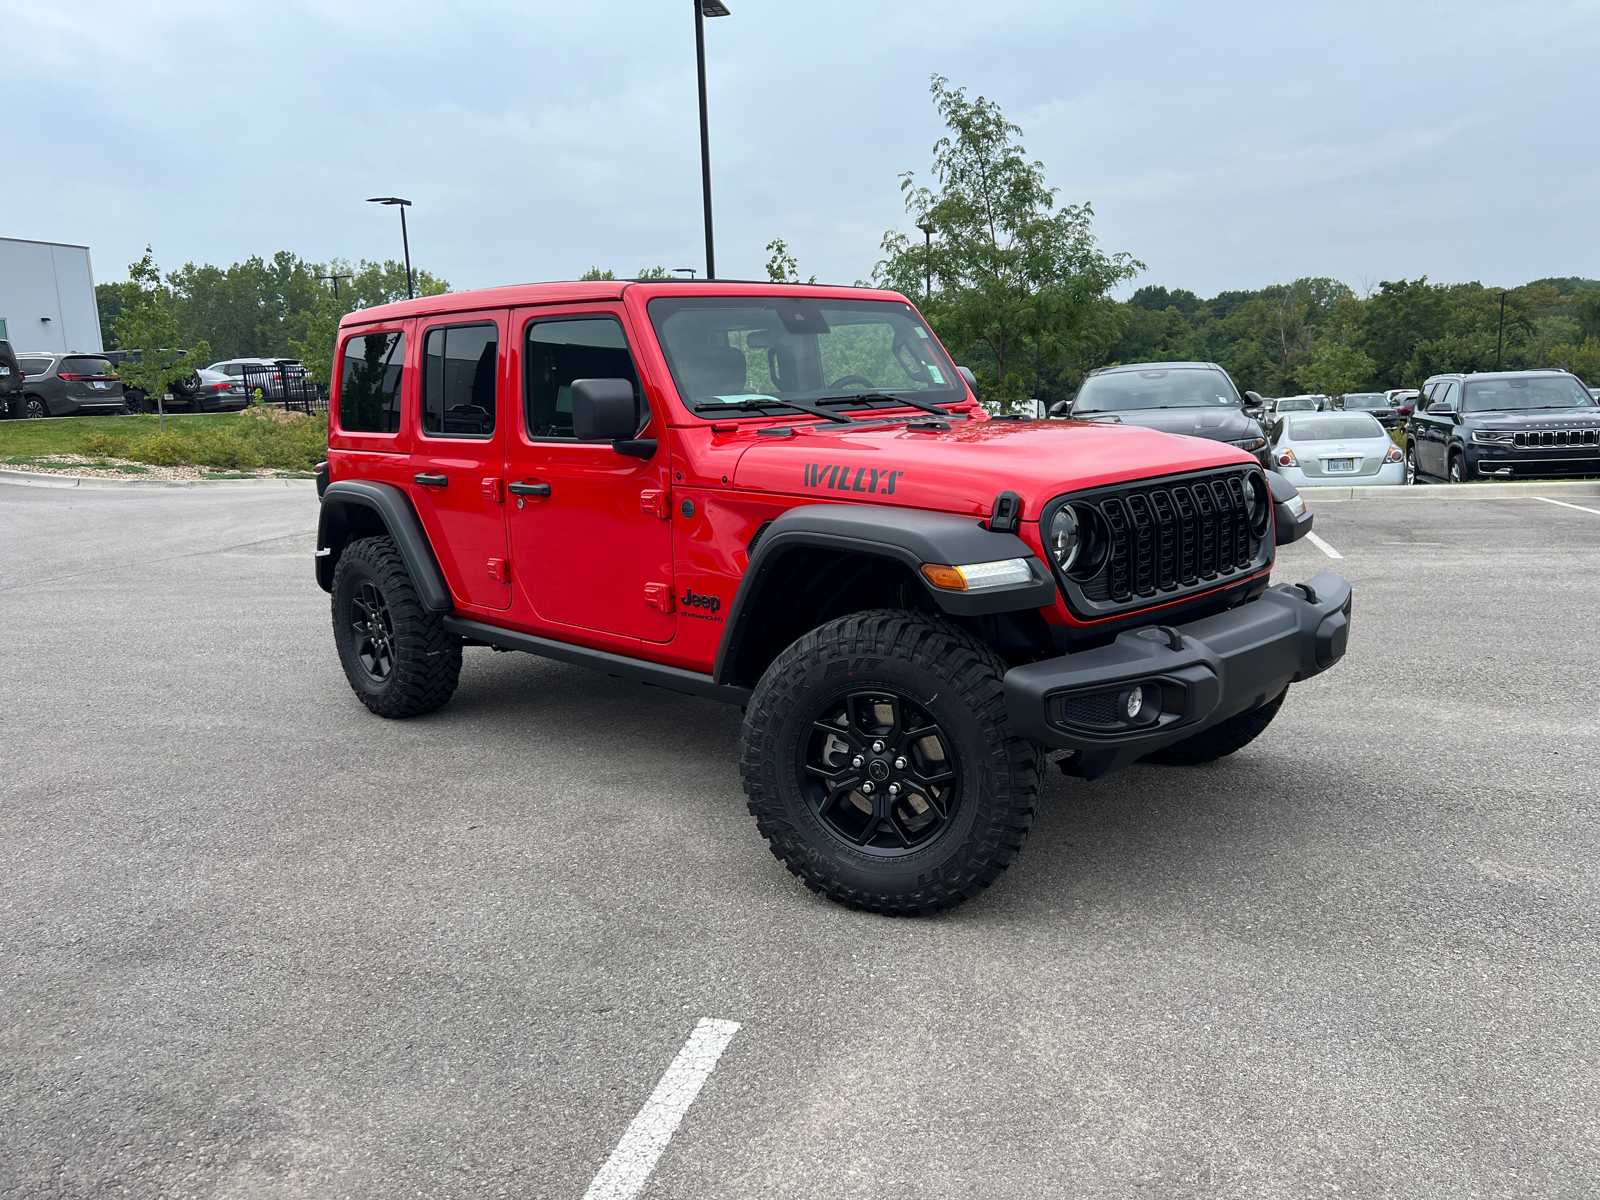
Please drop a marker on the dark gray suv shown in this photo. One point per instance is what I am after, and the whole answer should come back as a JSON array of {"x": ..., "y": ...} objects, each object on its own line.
[
  {"x": 58, "y": 385},
  {"x": 1194, "y": 398},
  {"x": 10, "y": 378}
]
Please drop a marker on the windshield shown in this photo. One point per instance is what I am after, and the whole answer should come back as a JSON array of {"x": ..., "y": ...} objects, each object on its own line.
[
  {"x": 1172, "y": 387},
  {"x": 740, "y": 350},
  {"x": 1550, "y": 391},
  {"x": 1366, "y": 400},
  {"x": 1335, "y": 429}
]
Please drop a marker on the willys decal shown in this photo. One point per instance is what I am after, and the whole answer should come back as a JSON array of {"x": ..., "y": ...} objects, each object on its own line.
[{"x": 851, "y": 479}]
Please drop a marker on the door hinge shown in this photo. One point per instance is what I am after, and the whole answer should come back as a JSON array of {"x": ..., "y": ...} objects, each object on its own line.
[
  {"x": 653, "y": 503},
  {"x": 500, "y": 570},
  {"x": 493, "y": 489},
  {"x": 658, "y": 595}
]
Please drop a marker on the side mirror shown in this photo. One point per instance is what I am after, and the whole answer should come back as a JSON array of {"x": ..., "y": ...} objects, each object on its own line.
[
  {"x": 1255, "y": 398},
  {"x": 1290, "y": 514},
  {"x": 605, "y": 410},
  {"x": 1061, "y": 408},
  {"x": 972, "y": 380}
]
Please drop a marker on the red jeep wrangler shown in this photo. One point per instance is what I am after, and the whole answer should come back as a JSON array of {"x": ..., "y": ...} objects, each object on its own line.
[{"x": 787, "y": 498}]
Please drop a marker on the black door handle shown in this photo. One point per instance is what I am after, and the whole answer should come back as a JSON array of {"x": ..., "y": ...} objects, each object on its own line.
[
  {"x": 528, "y": 489},
  {"x": 427, "y": 480}
]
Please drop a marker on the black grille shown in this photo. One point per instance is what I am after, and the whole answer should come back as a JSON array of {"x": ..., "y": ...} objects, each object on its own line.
[
  {"x": 1097, "y": 708},
  {"x": 1558, "y": 437},
  {"x": 1162, "y": 538}
]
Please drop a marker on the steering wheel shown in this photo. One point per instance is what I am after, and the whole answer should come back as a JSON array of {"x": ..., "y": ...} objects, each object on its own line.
[{"x": 844, "y": 380}]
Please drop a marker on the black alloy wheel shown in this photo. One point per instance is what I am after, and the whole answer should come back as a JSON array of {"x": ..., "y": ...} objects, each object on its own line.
[
  {"x": 1411, "y": 463},
  {"x": 34, "y": 407},
  {"x": 881, "y": 767},
  {"x": 372, "y": 631},
  {"x": 879, "y": 772},
  {"x": 397, "y": 655}
]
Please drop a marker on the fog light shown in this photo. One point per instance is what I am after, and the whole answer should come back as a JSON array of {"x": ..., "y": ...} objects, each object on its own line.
[
  {"x": 1141, "y": 704},
  {"x": 1134, "y": 703}
]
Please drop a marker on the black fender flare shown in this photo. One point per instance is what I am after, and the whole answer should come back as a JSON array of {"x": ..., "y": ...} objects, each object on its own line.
[
  {"x": 1290, "y": 527},
  {"x": 907, "y": 536},
  {"x": 399, "y": 519}
]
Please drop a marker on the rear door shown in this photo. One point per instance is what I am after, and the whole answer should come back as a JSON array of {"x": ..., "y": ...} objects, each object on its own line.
[
  {"x": 591, "y": 534},
  {"x": 89, "y": 380},
  {"x": 457, "y": 453}
]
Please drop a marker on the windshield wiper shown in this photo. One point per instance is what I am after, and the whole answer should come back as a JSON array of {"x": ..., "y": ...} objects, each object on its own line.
[
  {"x": 773, "y": 401},
  {"x": 924, "y": 405}
]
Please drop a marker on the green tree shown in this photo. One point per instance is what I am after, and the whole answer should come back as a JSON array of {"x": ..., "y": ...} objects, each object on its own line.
[
  {"x": 1017, "y": 283},
  {"x": 1335, "y": 368},
  {"x": 1586, "y": 308},
  {"x": 147, "y": 323},
  {"x": 783, "y": 267}
]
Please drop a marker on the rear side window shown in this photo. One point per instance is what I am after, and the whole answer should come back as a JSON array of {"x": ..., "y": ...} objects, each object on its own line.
[
  {"x": 34, "y": 366},
  {"x": 460, "y": 367},
  {"x": 369, "y": 388},
  {"x": 559, "y": 352}
]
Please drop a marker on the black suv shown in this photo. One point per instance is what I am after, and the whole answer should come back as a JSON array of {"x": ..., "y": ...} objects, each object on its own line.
[
  {"x": 1503, "y": 425},
  {"x": 1193, "y": 398},
  {"x": 10, "y": 378}
]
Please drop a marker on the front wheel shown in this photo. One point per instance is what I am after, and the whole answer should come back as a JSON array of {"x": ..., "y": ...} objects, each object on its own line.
[
  {"x": 397, "y": 655},
  {"x": 881, "y": 768},
  {"x": 1458, "y": 469}
]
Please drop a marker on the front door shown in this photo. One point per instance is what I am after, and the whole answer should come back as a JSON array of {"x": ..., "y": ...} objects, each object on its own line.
[
  {"x": 1434, "y": 429},
  {"x": 591, "y": 535},
  {"x": 457, "y": 454}
]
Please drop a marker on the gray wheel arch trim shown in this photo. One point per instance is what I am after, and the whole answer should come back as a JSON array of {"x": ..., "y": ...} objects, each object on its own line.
[
  {"x": 904, "y": 535},
  {"x": 394, "y": 510}
]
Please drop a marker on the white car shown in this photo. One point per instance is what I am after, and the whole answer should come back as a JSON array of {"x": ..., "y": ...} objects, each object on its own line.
[{"x": 1334, "y": 448}]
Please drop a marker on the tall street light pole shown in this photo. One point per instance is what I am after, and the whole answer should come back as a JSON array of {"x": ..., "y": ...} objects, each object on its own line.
[
  {"x": 702, "y": 10},
  {"x": 405, "y": 240}
]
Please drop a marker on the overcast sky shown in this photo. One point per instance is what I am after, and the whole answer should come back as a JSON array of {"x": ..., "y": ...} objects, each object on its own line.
[{"x": 1228, "y": 145}]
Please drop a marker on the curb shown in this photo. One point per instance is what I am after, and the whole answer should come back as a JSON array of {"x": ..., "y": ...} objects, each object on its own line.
[
  {"x": 41, "y": 479},
  {"x": 1454, "y": 491}
]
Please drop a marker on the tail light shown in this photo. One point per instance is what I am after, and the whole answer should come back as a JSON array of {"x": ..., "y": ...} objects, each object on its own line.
[
  {"x": 225, "y": 385},
  {"x": 1394, "y": 455},
  {"x": 1286, "y": 458},
  {"x": 1404, "y": 412},
  {"x": 73, "y": 378}
]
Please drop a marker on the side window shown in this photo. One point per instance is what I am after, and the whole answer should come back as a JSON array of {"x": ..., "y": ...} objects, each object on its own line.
[
  {"x": 560, "y": 351},
  {"x": 1447, "y": 398},
  {"x": 460, "y": 370},
  {"x": 369, "y": 386}
]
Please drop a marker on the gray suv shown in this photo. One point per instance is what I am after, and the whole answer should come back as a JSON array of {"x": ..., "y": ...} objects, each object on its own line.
[{"x": 59, "y": 385}]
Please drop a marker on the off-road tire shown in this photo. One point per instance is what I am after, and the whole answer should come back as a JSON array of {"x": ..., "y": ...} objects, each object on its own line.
[
  {"x": 1221, "y": 739},
  {"x": 955, "y": 680},
  {"x": 424, "y": 659}
]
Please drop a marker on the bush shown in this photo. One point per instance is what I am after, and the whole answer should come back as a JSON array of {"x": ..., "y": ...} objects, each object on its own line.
[{"x": 257, "y": 438}]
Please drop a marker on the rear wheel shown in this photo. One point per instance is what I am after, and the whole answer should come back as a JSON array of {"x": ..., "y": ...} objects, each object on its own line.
[
  {"x": 880, "y": 765},
  {"x": 1411, "y": 463},
  {"x": 35, "y": 407},
  {"x": 398, "y": 657},
  {"x": 1221, "y": 739}
]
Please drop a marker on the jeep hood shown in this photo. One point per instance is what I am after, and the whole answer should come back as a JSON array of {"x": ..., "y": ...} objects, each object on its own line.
[{"x": 962, "y": 469}]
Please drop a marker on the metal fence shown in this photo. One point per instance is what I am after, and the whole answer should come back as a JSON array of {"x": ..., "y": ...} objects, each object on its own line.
[{"x": 286, "y": 383}]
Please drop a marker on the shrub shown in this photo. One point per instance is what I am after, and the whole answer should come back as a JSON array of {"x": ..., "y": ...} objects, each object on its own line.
[{"x": 257, "y": 438}]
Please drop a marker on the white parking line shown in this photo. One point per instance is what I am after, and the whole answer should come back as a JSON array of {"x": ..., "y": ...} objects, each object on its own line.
[
  {"x": 627, "y": 1170},
  {"x": 1323, "y": 546},
  {"x": 1564, "y": 504}
]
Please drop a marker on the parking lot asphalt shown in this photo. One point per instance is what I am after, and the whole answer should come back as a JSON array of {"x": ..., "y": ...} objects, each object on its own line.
[{"x": 256, "y": 942}]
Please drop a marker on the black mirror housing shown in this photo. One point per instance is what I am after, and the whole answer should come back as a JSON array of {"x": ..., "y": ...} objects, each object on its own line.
[
  {"x": 972, "y": 380},
  {"x": 604, "y": 410},
  {"x": 1061, "y": 408}
]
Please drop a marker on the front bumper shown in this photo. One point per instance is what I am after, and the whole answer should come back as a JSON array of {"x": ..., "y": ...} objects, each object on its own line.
[{"x": 1203, "y": 672}]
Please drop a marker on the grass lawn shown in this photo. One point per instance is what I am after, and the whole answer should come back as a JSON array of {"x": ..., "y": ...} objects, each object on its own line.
[{"x": 60, "y": 435}]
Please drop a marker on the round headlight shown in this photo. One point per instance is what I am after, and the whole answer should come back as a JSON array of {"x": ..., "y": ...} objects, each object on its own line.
[{"x": 1064, "y": 540}]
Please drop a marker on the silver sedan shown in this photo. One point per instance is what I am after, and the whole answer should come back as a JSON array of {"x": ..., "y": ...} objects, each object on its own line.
[{"x": 1329, "y": 449}]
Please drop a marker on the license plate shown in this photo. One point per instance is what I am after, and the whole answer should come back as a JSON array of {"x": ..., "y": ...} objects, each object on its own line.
[
  {"x": 98, "y": 386},
  {"x": 1335, "y": 465}
]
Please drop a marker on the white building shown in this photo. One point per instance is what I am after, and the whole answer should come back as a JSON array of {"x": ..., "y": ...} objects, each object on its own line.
[{"x": 47, "y": 297}]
